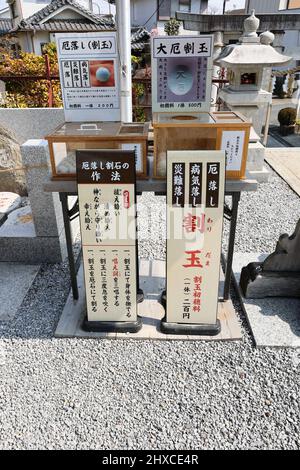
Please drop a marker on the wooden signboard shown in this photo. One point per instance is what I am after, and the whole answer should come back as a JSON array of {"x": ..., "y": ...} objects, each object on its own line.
[
  {"x": 106, "y": 191},
  {"x": 182, "y": 73},
  {"x": 195, "y": 200},
  {"x": 89, "y": 75}
]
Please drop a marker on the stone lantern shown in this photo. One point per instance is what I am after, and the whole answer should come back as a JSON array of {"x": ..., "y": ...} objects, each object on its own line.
[{"x": 249, "y": 64}]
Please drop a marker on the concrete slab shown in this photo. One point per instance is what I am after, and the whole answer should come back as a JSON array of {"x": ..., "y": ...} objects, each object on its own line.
[
  {"x": 15, "y": 281},
  {"x": 286, "y": 162},
  {"x": 9, "y": 202},
  {"x": 152, "y": 281},
  {"x": 3, "y": 218},
  {"x": 274, "y": 321},
  {"x": 19, "y": 224}
]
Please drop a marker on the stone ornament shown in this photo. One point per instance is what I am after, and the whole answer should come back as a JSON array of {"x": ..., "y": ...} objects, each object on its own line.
[
  {"x": 251, "y": 25},
  {"x": 279, "y": 274},
  {"x": 267, "y": 38}
]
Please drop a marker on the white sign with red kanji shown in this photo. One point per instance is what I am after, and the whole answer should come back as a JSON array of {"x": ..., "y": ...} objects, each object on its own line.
[{"x": 195, "y": 206}]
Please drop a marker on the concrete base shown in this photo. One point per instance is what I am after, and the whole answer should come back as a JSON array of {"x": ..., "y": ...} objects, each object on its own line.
[
  {"x": 261, "y": 176},
  {"x": 255, "y": 162},
  {"x": 15, "y": 281},
  {"x": 152, "y": 280},
  {"x": 273, "y": 321},
  {"x": 22, "y": 245}
]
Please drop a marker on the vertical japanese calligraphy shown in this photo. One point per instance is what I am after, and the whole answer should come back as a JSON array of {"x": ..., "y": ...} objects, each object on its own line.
[
  {"x": 89, "y": 73},
  {"x": 193, "y": 257},
  {"x": 178, "y": 188},
  {"x": 195, "y": 186},
  {"x": 233, "y": 144},
  {"x": 106, "y": 190},
  {"x": 181, "y": 73},
  {"x": 212, "y": 184}
]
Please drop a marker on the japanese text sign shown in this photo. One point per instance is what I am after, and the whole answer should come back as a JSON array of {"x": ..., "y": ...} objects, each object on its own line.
[
  {"x": 89, "y": 74},
  {"x": 233, "y": 143},
  {"x": 181, "y": 73},
  {"x": 195, "y": 199},
  {"x": 106, "y": 191}
]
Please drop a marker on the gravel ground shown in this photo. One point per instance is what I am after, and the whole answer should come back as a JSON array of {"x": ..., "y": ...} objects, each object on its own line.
[{"x": 84, "y": 394}]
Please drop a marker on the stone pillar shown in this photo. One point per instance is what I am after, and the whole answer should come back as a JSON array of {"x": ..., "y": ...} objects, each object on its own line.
[
  {"x": 45, "y": 241},
  {"x": 278, "y": 41}
]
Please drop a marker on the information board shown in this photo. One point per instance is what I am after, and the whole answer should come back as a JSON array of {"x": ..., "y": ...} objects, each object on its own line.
[
  {"x": 89, "y": 76},
  {"x": 195, "y": 200},
  {"x": 233, "y": 143},
  {"x": 181, "y": 73},
  {"x": 106, "y": 191}
]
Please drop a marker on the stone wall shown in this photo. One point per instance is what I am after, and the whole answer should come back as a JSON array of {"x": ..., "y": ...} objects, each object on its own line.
[{"x": 31, "y": 123}]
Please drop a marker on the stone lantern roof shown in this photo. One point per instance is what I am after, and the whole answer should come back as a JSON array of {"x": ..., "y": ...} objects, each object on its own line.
[{"x": 252, "y": 49}]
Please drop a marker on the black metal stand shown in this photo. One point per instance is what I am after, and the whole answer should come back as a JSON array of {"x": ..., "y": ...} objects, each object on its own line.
[
  {"x": 113, "y": 326},
  {"x": 186, "y": 328},
  {"x": 190, "y": 329},
  {"x": 231, "y": 215},
  {"x": 70, "y": 214}
]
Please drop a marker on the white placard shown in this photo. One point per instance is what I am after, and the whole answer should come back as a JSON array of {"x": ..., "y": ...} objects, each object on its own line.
[
  {"x": 90, "y": 76},
  {"x": 233, "y": 144},
  {"x": 106, "y": 193},
  {"x": 182, "y": 73},
  {"x": 195, "y": 205}
]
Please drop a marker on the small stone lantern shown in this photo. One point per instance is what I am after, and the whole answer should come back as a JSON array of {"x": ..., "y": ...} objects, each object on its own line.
[
  {"x": 249, "y": 64},
  {"x": 246, "y": 64}
]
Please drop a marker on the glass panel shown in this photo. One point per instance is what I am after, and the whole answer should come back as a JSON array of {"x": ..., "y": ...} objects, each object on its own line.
[
  {"x": 174, "y": 138},
  {"x": 65, "y": 154}
]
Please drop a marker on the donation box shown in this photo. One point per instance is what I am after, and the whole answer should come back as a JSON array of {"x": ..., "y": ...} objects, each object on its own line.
[
  {"x": 224, "y": 130},
  {"x": 72, "y": 136}
]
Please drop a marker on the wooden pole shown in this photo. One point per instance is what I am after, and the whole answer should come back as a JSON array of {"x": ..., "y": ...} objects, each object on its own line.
[{"x": 48, "y": 75}]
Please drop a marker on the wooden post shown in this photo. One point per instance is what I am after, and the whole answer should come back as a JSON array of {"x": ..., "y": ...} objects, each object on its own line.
[{"x": 48, "y": 76}]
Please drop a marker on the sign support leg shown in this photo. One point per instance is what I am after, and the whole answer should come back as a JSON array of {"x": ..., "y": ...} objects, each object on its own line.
[
  {"x": 233, "y": 221},
  {"x": 65, "y": 210}
]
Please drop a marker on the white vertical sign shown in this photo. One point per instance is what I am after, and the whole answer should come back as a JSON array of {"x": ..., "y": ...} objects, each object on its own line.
[
  {"x": 106, "y": 191},
  {"x": 195, "y": 200}
]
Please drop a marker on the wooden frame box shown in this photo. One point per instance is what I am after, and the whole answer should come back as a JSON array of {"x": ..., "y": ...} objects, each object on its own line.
[
  {"x": 224, "y": 130},
  {"x": 72, "y": 136}
]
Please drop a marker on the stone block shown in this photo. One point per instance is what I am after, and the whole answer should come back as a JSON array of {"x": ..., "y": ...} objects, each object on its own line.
[
  {"x": 16, "y": 278},
  {"x": 9, "y": 202},
  {"x": 256, "y": 156},
  {"x": 31, "y": 250},
  {"x": 31, "y": 123},
  {"x": 46, "y": 207},
  {"x": 19, "y": 224}
]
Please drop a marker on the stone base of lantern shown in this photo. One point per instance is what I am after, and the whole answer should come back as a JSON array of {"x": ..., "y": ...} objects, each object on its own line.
[
  {"x": 252, "y": 104},
  {"x": 255, "y": 162}
]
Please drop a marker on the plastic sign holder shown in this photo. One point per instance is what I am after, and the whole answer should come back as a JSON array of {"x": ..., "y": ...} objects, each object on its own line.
[
  {"x": 107, "y": 209},
  {"x": 195, "y": 206}
]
